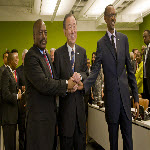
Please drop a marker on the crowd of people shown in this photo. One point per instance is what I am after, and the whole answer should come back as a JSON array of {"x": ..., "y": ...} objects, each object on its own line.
[{"x": 28, "y": 93}]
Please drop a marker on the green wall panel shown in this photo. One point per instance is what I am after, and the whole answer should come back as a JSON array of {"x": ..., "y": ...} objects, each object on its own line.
[{"x": 19, "y": 35}]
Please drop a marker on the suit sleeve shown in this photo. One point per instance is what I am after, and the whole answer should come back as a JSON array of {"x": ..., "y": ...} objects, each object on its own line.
[
  {"x": 7, "y": 95},
  {"x": 84, "y": 70},
  {"x": 95, "y": 71},
  {"x": 130, "y": 73},
  {"x": 148, "y": 71},
  {"x": 34, "y": 72}
]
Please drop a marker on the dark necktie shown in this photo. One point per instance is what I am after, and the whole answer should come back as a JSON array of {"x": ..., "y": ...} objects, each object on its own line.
[
  {"x": 72, "y": 59},
  {"x": 47, "y": 62},
  {"x": 113, "y": 44}
]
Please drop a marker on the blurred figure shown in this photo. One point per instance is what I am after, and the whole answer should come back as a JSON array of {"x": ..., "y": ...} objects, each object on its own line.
[
  {"x": 21, "y": 104},
  {"x": 143, "y": 50},
  {"x": 93, "y": 59},
  {"x": 139, "y": 73},
  {"x": 133, "y": 62},
  {"x": 52, "y": 51},
  {"x": 2, "y": 68},
  {"x": 89, "y": 66},
  {"x": 135, "y": 51},
  {"x": 146, "y": 62},
  {"x": 10, "y": 99}
]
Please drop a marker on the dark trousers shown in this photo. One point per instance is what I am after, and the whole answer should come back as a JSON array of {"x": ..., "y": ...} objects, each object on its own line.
[
  {"x": 145, "y": 94},
  {"x": 21, "y": 126},
  {"x": 126, "y": 130},
  {"x": 76, "y": 142},
  {"x": 9, "y": 133}
]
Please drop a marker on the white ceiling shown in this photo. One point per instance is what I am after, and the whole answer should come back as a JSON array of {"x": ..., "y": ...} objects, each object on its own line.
[{"x": 89, "y": 13}]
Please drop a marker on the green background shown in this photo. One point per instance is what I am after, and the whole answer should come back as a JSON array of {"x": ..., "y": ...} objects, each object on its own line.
[{"x": 19, "y": 35}]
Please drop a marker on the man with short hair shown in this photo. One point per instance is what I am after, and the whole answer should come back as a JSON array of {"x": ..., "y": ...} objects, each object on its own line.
[
  {"x": 2, "y": 68},
  {"x": 113, "y": 53},
  {"x": 10, "y": 99},
  {"x": 146, "y": 63},
  {"x": 22, "y": 103},
  {"x": 70, "y": 60},
  {"x": 41, "y": 89},
  {"x": 52, "y": 51}
]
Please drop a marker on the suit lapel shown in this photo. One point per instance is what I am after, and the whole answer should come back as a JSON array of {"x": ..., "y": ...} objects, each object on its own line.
[
  {"x": 11, "y": 76},
  {"x": 77, "y": 55},
  {"x": 118, "y": 46},
  {"x": 109, "y": 46},
  {"x": 41, "y": 57},
  {"x": 67, "y": 60}
]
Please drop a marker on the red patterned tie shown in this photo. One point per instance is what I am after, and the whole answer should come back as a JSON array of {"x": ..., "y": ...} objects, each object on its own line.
[{"x": 47, "y": 62}]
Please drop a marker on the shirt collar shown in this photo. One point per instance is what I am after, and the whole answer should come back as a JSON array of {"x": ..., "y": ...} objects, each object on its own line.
[
  {"x": 109, "y": 34},
  {"x": 70, "y": 49},
  {"x": 10, "y": 69}
]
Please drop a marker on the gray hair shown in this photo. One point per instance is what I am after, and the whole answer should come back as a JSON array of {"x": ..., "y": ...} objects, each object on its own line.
[
  {"x": 24, "y": 52},
  {"x": 52, "y": 49}
]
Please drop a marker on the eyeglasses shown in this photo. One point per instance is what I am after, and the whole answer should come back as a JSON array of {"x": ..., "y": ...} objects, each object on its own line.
[{"x": 112, "y": 15}]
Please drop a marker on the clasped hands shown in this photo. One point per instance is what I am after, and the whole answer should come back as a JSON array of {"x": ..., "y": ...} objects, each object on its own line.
[{"x": 74, "y": 83}]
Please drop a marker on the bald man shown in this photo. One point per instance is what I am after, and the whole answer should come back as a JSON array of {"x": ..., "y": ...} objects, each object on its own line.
[{"x": 41, "y": 89}]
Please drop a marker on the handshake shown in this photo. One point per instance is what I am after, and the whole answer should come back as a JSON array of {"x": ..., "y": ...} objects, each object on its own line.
[{"x": 74, "y": 83}]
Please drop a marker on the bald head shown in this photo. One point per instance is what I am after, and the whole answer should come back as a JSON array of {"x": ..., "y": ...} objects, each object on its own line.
[
  {"x": 40, "y": 34},
  {"x": 12, "y": 60}
]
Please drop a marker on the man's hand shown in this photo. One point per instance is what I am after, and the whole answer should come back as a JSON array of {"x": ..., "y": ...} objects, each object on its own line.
[
  {"x": 73, "y": 89},
  {"x": 23, "y": 88},
  {"x": 136, "y": 108},
  {"x": 80, "y": 85},
  {"x": 71, "y": 83},
  {"x": 19, "y": 94},
  {"x": 76, "y": 76}
]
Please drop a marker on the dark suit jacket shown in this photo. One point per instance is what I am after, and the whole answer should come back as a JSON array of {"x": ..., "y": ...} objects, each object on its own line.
[
  {"x": 40, "y": 92},
  {"x": 1, "y": 71},
  {"x": 72, "y": 105},
  {"x": 9, "y": 98},
  {"x": 117, "y": 73},
  {"x": 21, "y": 82},
  {"x": 148, "y": 71}
]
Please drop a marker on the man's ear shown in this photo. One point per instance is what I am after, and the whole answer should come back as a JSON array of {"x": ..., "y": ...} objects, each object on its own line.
[
  {"x": 64, "y": 32},
  {"x": 34, "y": 36},
  {"x": 105, "y": 18}
]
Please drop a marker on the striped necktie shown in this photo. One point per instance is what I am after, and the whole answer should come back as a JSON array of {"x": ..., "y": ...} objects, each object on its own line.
[
  {"x": 48, "y": 64},
  {"x": 72, "y": 59}
]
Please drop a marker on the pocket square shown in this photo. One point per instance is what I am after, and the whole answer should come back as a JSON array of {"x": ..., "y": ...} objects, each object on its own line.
[{"x": 77, "y": 53}]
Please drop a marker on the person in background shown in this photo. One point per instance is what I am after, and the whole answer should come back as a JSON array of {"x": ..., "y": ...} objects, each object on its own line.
[
  {"x": 22, "y": 103},
  {"x": 133, "y": 62},
  {"x": 135, "y": 51},
  {"x": 143, "y": 49},
  {"x": 2, "y": 68},
  {"x": 10, "y": 97},
  {"x": 52, "y": 51},
  {"x": 41, "y": 89},
  {"x": 93, "y": 59},
  {"x": 146, "y": 63},
  {"x": 113, "y": 54},
  {"x": 89, "y": 66},
  {"x": 139, "y": 73}
]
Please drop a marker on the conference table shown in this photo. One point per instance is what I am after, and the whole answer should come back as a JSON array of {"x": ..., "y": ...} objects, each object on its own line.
[{"x": 98, "y": 130}]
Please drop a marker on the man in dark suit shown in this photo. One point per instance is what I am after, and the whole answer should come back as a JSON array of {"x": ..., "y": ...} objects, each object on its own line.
[
  {"x": 146, "y": 63},
  {"x": 70, "y": 60},
  {"x": 22, "y": 103},
  {"x": 41, "y": 89},
  {"x": 5, "y": 56},
  {"x": 10, "y": 96},
  {"x": 146, "y": 92},
  {"x": 113, "y": 53}
]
